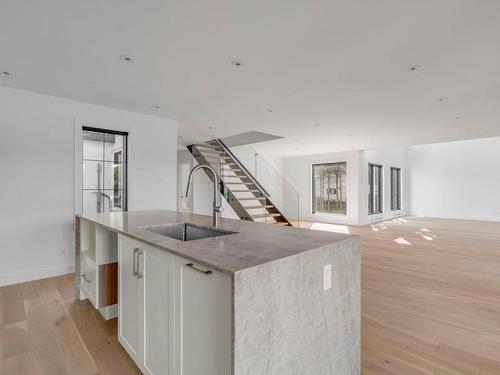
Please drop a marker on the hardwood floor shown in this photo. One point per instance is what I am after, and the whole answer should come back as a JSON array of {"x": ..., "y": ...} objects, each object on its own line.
[
  {"x": 43, "y": 330},
  {"x": 430, "y": 296},
  {"x": 430, "y": 305}
]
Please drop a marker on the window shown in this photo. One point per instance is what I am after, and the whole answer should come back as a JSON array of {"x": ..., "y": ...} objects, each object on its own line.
[
  {"x": 104, "y": 178},
  {"x": 375, "y": 191},
  {"x": 329, "y": 193},
  {"x": 395, "y": 189}
]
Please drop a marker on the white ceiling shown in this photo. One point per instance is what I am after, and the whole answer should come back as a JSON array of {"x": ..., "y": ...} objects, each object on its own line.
[{"x": 341, "y": 64}]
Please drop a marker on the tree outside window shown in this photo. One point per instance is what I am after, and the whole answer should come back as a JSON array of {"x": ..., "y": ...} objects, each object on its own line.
[{"x": 329, "y": 194}]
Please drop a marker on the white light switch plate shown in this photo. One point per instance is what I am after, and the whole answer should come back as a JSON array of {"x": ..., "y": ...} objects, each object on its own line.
[{"x": 327, "y": 277}]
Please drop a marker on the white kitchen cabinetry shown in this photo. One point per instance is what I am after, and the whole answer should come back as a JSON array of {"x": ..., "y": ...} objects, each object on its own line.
[
  {"x": 174, "y": 315},
  {"x": 130, "y": 287},
  {"x": 98, "y": 267},
  {"x": 205, "y": 301}
]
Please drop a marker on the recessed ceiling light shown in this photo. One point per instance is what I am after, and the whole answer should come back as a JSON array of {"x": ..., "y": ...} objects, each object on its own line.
[
  {"x": 156, "y": 107},
  {"x": 412, "y": 68},
  {"x": 237, "y": 63},
  {"x": 7, "y": 74},
  {"x": 126, "y": 58}
]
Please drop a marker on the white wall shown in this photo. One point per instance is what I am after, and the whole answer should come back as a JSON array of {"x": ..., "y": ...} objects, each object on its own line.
[
  {"x": 298, "y": 171},
  {"x": 456, "y": 179},
  {"x": 387, "y": 157},
  {"x": 37, "y": 169}
]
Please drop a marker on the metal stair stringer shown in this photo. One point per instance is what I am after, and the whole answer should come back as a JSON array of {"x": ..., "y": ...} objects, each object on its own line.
[{"x": 223, "y": 189}]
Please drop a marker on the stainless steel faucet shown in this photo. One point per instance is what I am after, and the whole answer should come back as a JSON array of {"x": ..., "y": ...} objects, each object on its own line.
[{"x": 216, "y": 204}]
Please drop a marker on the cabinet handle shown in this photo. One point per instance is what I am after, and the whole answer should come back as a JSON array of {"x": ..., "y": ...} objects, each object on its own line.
[
  {"x": 191, "y": 265},
  {"x": 139, "y": 274},
  {"x": 134, "y": 267}
]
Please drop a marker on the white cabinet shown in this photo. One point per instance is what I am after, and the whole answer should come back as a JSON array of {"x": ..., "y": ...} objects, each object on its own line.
[
  {"x": 205, "y": 300},
  {"x": 98, "y": 266},
  {"x": 90, "y": 280},
  {"x": 130, "y": 287},
  {"x": 159, "y": 314},
  {"x": 174, "y": 316}
]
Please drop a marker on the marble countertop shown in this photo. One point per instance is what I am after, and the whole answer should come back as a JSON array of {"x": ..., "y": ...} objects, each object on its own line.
[{"x": 254, "y": 244}]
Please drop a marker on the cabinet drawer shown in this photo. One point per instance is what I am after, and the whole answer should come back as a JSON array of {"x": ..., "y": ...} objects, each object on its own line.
[{"x": 90, "y": 282}]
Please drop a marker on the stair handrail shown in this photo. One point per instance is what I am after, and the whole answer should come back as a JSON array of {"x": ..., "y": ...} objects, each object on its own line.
[{"x": 242, "y": 167}]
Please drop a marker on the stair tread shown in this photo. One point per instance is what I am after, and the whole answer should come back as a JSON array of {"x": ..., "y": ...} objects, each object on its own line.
[
  {"x": 251, "y": 198},
  {"x": 259, "y": 206},
  {"x": 264, "y": 215}
]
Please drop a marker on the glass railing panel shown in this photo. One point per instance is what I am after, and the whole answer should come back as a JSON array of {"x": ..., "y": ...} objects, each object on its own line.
[{"x": 280, "y": 192}]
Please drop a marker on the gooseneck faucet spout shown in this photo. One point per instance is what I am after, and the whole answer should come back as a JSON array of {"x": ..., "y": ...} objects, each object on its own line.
[{"x": 216, "y": 204}]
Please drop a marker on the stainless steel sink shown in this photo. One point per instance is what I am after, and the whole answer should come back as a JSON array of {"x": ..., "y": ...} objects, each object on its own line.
[{"x": 187, "y": 232}]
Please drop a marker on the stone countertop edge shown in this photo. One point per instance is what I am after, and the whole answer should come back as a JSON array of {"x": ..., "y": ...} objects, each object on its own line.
[{"x": 253, "y": 245}]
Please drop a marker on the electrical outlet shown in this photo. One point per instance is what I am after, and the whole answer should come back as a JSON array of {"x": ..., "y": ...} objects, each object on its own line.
[{"x": 327, "y": 277}]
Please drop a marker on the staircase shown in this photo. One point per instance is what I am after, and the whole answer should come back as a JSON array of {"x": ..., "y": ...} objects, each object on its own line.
[{"x": 242, "y": 191}]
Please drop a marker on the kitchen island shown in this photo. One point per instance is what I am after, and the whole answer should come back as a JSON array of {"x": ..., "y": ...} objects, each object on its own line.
[{"x": 240, "y": 299}]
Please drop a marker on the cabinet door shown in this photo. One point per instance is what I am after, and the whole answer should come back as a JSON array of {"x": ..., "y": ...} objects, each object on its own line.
[
  {"x": 128, "y": 298},
  {"x": 205, "y": 300},
  {"x": 158, "y": 312},
  {"x": 90, "y": 280}
]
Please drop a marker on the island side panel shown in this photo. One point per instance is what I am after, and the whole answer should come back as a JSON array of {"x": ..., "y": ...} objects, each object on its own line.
[
  {"x": 78, "y": 250},
  {"x": 285, "y": 323}
]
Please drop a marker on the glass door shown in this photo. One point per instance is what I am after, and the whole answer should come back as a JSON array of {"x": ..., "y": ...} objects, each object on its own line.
[{"x": 104, "y": 171}]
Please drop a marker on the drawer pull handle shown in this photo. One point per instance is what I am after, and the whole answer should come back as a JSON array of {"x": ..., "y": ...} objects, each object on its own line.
[
  {"x": 134, "y": 267},
  {"x": 191, "y": 265}
]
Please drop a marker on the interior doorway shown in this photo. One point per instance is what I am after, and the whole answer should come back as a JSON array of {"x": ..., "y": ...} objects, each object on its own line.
[{"x": 104, "y": 170}]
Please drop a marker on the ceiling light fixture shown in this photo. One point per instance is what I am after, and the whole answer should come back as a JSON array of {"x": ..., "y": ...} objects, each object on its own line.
[
  {"x": 126, "y": 58},
  {"x": 412, "y": 68},
  {"x": 237, "y": 63}
]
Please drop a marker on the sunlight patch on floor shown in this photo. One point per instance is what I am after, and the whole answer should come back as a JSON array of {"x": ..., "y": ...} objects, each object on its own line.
[
  {"x": 402, "y": 241},
  {"x": 331, "y": 228}
]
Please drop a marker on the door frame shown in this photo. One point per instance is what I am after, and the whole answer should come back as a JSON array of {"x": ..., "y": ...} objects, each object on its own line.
[{"x": 79, "y": 127}]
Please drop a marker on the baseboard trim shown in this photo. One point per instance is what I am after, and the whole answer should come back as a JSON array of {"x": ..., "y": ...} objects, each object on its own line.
[{"x": 31, "y": 275}]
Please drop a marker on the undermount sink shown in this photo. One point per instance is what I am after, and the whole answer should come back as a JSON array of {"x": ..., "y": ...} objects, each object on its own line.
[{"x": 187, "y": 232}]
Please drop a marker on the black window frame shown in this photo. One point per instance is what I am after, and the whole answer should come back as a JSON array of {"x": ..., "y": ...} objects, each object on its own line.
[
  {"x": 125, "y": 158},
  {"x": 371, "y": 190},
  {"x": 396, "y": 198}
]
